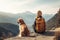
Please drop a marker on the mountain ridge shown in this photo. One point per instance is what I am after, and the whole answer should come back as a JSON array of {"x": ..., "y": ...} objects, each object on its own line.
[
  {"x": 54, "y": 21},
  {"x": 12, "y": 18}
]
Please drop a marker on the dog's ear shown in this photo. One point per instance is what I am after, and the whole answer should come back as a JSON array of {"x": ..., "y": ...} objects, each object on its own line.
[{"x": 22, "y": 21}]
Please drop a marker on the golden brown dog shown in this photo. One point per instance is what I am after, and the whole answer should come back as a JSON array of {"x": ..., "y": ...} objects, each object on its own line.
[{"x": 23, "y": 28}]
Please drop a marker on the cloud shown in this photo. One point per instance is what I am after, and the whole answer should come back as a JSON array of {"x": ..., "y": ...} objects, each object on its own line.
[
  {"x": 15, "y": 6},
  {"x": 11, "y": 5},
  {"x": 47, "y": 6},
  {"x": 43, "y": 2}
]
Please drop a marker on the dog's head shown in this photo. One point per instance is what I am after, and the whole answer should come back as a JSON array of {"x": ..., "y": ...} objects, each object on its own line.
[{"x": 21, "y": 21}]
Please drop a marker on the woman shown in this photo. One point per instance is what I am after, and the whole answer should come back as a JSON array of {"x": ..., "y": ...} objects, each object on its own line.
[{"x": 39, "y": 24}]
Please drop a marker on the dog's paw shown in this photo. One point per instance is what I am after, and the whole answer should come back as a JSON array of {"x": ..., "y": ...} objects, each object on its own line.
[{"x": 20, "y": 35}]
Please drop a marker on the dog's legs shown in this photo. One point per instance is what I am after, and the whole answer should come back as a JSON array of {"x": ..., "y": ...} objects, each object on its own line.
[
  {"x": 20, "y": 35},
  {"x": 19, "y": 31}
]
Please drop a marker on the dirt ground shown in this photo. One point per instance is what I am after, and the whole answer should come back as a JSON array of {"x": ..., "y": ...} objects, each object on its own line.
[{"x": 48, "y": 35}]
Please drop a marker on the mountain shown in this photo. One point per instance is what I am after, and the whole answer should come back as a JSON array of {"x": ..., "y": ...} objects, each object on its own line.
[
  {"x": 54, "y": 21},
  {"x": 7, "y": 18},
  {"x": 9, "y": 28},
  {"x": 28, "y": 17}
]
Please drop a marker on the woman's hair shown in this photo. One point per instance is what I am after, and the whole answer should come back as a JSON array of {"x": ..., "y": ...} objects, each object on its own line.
[{"x": 39, "y": 13}]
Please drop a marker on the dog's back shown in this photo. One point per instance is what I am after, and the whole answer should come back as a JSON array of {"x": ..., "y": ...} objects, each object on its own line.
[{"x": 24, "y": 30}]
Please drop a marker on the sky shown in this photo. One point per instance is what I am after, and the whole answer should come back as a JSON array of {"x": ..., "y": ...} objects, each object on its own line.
[{"x": 19, "y": 6}]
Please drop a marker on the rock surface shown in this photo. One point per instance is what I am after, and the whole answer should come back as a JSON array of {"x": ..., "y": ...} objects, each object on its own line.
[{"x": 48, "y": 35}]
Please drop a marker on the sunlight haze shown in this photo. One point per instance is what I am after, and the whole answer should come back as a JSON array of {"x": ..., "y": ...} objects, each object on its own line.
[{"x": 20, "y": 6}]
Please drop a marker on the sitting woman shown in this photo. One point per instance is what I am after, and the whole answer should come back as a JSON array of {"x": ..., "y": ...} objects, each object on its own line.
[{"x": 39, "y": 24}]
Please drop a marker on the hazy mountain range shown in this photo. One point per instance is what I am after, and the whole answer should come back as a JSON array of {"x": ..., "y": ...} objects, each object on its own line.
[
  {"x": 28, "y": 17},
  {"x": 9, "y": 28}
]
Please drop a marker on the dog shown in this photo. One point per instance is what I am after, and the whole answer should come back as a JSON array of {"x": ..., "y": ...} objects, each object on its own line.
[{"x": 23, "y": 28}]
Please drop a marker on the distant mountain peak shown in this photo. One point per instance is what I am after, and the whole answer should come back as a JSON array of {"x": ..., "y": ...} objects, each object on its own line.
[{"x": 28, "y": 12}]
